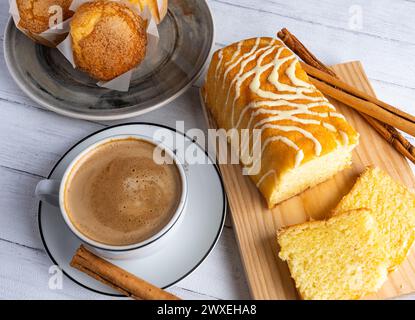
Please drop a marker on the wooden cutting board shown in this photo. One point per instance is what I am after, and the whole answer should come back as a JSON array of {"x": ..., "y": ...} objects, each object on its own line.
[{"x": 256, "y": 226}]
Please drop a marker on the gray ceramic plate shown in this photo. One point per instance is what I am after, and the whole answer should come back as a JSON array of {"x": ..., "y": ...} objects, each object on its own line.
[{"x": 186, "y": 38}]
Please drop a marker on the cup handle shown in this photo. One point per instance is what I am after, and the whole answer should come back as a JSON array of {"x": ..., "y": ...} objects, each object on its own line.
[{"x": 48, "y": 191}]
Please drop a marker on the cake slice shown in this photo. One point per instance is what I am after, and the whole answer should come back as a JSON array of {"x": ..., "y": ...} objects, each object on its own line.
[
  {"x": 393, "y": 207},
  {"x": 340, "y": 258}
]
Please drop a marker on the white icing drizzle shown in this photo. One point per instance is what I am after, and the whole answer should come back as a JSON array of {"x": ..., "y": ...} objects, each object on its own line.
[
  {"x": 217, "y": 71},
  {"x": 231, "y": 61},
  {"x": 299, "y": 86},
  {"x": 291, "y": 75},
  {"x": 255, "y": 85},
  {"x": 345, "y": 137},
  {"x": 286, "y": 96},
  {"x": 298, "y": 157},
  {"x": 247, "y": 57},
  {"x": 289, "y": 116},
  {"x": 329, "y": 126},
  {"x": 237, "y": 81},
  {"x": 236, "y": 53},
  {"x": 273, "y": 78},
  {"x": 305, "y": 133},
  {"x": 238, "y": 61},
  {"x": 220, "y": 59},
  {"x": 286, "y": 114},
  {"x": 272, "y": 171}
]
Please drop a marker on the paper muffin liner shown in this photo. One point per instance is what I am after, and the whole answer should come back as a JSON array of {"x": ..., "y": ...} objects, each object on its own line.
[
  {"x": 51, "y": 37},
  {"x": 162, "y": 7},
  {"x": 122, "y": 82}
]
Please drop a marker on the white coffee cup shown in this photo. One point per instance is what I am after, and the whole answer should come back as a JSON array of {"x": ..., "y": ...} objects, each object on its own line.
[{"x": 52, "y": 192}]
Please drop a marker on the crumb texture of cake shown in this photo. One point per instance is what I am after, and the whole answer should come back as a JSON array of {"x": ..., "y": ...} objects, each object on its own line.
[
  {"x": 393, "y": 207},
  {"x": 338, "y": 259},
  {"x": 108, "y": 39},
  {"x": 259, "y": 84}
]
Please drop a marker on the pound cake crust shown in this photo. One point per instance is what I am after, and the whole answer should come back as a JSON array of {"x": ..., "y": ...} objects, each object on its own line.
[
  {"x": 108, "y": 39},
  {"x": 393, "y": 206},
  {"x": 341, "y": 258},
  {"x": 259, "y": 84}
]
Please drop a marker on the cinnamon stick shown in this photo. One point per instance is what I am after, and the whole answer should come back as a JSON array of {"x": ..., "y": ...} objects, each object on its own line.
[
  {"x": 299, "y": 49},
  {"x": 336, "y": 82},
  {"x": 366, "y": 107},
  {"x": 389, "y": 133},
  {"x": 119, "y": 279}
]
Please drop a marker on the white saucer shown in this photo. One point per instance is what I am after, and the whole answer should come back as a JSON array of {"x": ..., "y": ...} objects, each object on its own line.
[{"x": 190, "y": 245}]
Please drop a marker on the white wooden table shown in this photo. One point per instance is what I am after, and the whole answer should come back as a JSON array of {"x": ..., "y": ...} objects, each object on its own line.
[{"x": 379, "y": 33}]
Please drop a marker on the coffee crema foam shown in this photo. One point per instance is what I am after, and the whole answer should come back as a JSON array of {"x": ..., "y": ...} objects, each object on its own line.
[{"x": 118, "y": 195}]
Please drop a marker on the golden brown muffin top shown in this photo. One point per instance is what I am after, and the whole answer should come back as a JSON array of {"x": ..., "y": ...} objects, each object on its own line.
[
  {"x": 108, "y": 39},
  {"x": 35, "y": 14}
]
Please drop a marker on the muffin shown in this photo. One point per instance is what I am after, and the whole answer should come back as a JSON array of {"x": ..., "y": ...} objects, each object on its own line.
[
  {"x": 108, "y": 39},
  {"x": 34, "y": 14}
]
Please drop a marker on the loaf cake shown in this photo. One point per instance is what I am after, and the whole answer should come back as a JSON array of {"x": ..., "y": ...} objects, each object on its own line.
[
  {"x": 259, "y": 84},
  {"x": 393, "y": 206},
  {"x": 341, "y": 258}
]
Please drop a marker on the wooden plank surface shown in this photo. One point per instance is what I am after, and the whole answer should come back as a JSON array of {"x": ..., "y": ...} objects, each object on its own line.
[{"x": 256, "y": 226}]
